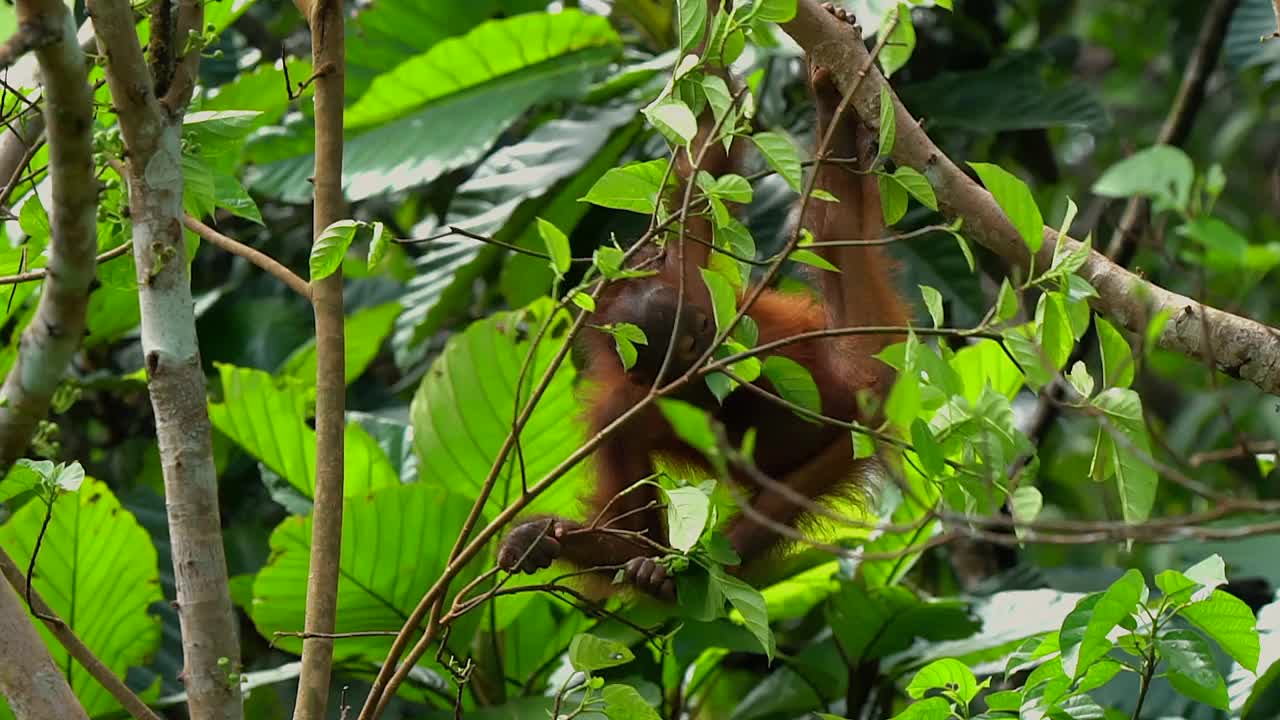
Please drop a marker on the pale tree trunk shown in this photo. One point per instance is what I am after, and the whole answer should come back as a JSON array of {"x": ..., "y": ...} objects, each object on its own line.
[
  {"x": 152, "y": 128},
  {"x": 327, "y": 50}
]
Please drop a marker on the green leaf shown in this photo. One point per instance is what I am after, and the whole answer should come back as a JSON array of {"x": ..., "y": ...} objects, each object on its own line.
[
  {"x": 809, "y": 257},
  {"x": 750, "y": 604},
  {"x": 363, "y": 335},
  {"x": 92, "y": 551},
  {"x": 22, "y": 478},
  {"x": 1214, "y": 696},
  {"x": 1014, "y": 197},
  {"x": 1189, "y": 655},
  {"x": 1136, "y": 480},
  {"x": 673, "y": 119},
  {"x": 948, "y": 675},
  {"x": 933, "y": 301},
  {"x": 508, "y": 47},
  {"x": 888, "y": 123},
  {"x": 781, "y": 155},
  {"x": 1162, "y": 172},
  {"x": 1226, "y": 620},
  {"x": 1117, "y": 358},
  {"x": 692, "y": 21},
  {"x": 932, "y": 457},
  {"x": 688, "y": 509},
  {"x": 793, "y": 382},
  {"x": 1210, "y": 572},
  {"x": 328, "y": 251},
  {"x": 589, "y": 653},
  {"x": 934, "y": 708},
  {"x": 1080, "y": 379},
  {"x": 724, "y": 301},
  {"x": 691, "y": 424},
  {"x": 378, "y": 245},
  {"x": 916, "y": 185},
  {"x": 1055, "y": 336},
  {"x": 395, "y": 544},
  {"x": 893, "y": 198},
  {"x": 633, "y": 187},
  {"x": 1007, "y": 302},
  {"x": 902, "y": 40},
  {"x": 557, "y": 244},
  {"x": 1084, "y": 632},
  {"x": 777, "y": 11},
  {"x": 625, "y": 702},
  {"x": 1025, "y": 504},
  {"x": 267, "y": 418}
]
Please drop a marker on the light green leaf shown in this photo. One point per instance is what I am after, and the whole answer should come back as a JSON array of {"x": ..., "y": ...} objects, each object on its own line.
[
  {"x": 633, "y": 187},
  {"x": 588, "y": 653},
  {"x": 92, "y": 551},
  {"x": 793, "y": 382},
  {"x": 507, "y": 46},
  {"x": 933, "y": 301},
  {"x": 1014, "y": 197},
  {"x": 625, "y": 702},
  {"x": 692, "y": 21},
  {"x": 781, "y": 155},
  {"x": 363, "y": 335},
  {"x": 1162, "y": 172},
  {"x": 673, "y": 119},
  {"x": 463, "y": 410},
  {"x": 1025, "y": 503},
  {"x": 687, "y": 511},
  {"x": 1226, "y": 620},
  {"x": 916, "y": 185},
  {"x": 1117, "y": 358},
  {"x": 1080, "y": 379},
  {"x": 691, "y": 424},
  {"x": 1006, "y": 302},
  {"x": 1084, "y": 632},
  {"x": 888, "y": 123},
  {"x": 777, "y": 11},
  {"x": 893, "y": 198},
  {"x": 951, "y": 676},
  {"x": 809, "y": 257},
  {"x": 395, "y": 544},
  {"x": 750, "y": 604},
  {"x": 902, "y": 40},
  {"x": 557, "y": 244},
  {"x": 267, "y": 417},
  {"x": 1136, "y": 480},
  {"x": 328, "y": 250},
  {"x": 934, "y": 708},
  {"x": 378, "y": 245}
]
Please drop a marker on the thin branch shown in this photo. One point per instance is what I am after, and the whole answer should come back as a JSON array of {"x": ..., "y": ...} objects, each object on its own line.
[
  {"x": 455, "y": 230},
  {"x": 74, "y": 646},
  {"x": 262, "y": 260}
]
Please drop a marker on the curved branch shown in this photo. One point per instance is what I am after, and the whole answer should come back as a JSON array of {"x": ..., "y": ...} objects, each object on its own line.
[{"x": 1235, "y": 345}]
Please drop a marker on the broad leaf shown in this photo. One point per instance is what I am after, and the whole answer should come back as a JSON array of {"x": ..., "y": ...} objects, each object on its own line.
[{"x": 92, "y": 551}]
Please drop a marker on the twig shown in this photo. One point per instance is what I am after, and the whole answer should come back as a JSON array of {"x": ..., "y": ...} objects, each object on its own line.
[
  {"x": 41, "y": 273},
  {"x": 264, "y": 262}
]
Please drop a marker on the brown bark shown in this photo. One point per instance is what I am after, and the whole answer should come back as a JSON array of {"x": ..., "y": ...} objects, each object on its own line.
[{"x": 328, "y": 57}]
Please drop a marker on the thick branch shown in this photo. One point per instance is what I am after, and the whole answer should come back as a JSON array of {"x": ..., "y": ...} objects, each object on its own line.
[
  {"x": 34, "y": 686},
  {"x": 1235, "y": 345},
  {"x": 176, "y": 382},
  {"x": 53, "y": 335}
]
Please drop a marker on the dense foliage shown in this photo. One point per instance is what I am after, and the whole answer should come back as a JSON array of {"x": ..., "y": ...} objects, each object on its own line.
[{"x": 1072, "y": 521}]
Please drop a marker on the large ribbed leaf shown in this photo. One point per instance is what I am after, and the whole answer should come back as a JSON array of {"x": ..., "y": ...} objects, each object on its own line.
[
  {"x": 384, "y": 33},
  {"x": 494, "y": 54},
  {"x": 394, "y": 546},
  {"x": 447, "y": 105},
  {"x": 267, "y": 417},
  {"x": 465, "y": 406},
  {"x": 500, "y": 200},
  {"x": 97, "y": 570}
]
